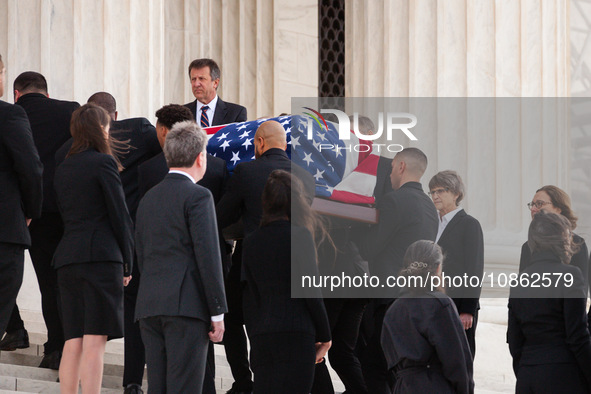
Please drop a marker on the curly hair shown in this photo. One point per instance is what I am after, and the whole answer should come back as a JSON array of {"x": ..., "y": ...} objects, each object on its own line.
[{"x": 173, "y": 113}]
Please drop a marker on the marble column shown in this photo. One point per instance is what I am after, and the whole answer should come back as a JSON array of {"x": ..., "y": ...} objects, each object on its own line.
[
  {"x": 139, "y": 51},
  {"x": 504, "y": 49}
]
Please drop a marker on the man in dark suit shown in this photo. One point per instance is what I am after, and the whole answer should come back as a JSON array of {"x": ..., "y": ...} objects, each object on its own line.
[
  {"x": 181, "y": 296},
  {"x": 154, "y": 171},
  {"x": 21, "y": 183},
  {"x": 242, "y": 200},
  {"x": 50, "y": 123},
  {"x": 407, "y": 215},
  {"x": 208, "y": 109}
]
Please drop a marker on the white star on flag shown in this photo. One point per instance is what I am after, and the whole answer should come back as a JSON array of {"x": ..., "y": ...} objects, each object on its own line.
[
  {"x": 241, "y": 127},
  {"x": 337, "y": 151},
  {"x": 235, "y": 158},
  {"x": 295, "y": 141},
  {"x": 222, "y": 136},
  {"x": 245, "y": 134},
  {"x": 225, "y": 145},
  {"x": 322, "y": 137},
  {"x": 316, "y": 145},
  {"x": 247, "y": 143},
  {"x": 308, "y": 158},
  {"x": 318, "y": 174}
]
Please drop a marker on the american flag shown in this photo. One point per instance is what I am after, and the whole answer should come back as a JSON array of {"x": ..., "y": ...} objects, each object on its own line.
[{"x": 344, "y": 170}]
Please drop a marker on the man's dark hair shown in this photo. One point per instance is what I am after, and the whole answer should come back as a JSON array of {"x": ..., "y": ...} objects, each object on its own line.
[
  {"x": 173, "y": 113},
  {"x": 214, "y": 69},
  {"x": 104, "y": 100},
  {"x": 30, "y": 82}
]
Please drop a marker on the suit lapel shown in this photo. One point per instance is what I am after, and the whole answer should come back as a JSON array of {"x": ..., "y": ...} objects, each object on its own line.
[
  {"x": 220, "y": 113},
  {"x": 450, "y": 226},
  {"x": 193, "y": 108}
]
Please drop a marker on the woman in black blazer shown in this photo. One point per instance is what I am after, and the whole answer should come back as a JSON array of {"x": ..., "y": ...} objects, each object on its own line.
[
  {"x": 287, "y": 335},
  {"x": 553, "y": 199},
  {"x": 460, "y": 237},
  {"x": 547, "y": 331},
  {"x": 94, "y": 257}
]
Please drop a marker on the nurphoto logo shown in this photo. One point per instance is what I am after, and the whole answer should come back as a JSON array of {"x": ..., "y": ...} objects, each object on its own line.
[{"x": 395, "y": 121}]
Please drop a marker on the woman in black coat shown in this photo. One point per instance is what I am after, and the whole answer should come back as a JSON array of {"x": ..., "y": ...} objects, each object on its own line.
[
  {"x": 422, "y": 337},
  {"x": 552, "y": 199},
  {"x": 547, "y": 332},
  {"x": 94, "y": 257},
  {"x": 287, "y": 335},
  {"x": 460, "y": 237}
]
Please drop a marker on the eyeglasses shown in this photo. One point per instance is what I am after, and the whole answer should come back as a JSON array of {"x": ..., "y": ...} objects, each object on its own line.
[
  {"x": 538, "y": 204},
  {"x": 437, "y": 192}
]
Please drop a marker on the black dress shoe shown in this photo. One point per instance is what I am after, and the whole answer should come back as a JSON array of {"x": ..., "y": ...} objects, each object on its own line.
[
  {"x": 133, "y": 389},
  {"x": 18, "y": 339},
  {"x": 51, "y": 360}
]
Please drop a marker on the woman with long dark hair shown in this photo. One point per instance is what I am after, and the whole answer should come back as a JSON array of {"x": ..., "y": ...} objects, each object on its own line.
[
  {"x": 93, "y": 260},
  {"x": 287, "y": 335},
  {"x": 547, "y": 331}
]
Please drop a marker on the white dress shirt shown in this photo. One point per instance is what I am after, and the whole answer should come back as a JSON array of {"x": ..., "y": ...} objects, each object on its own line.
[
  {"x": 444, "y": 221},
  {"x": 210, "y": 111}
]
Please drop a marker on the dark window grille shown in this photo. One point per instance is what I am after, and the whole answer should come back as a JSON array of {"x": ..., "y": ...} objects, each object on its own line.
[{"x": 331, "y": 59}]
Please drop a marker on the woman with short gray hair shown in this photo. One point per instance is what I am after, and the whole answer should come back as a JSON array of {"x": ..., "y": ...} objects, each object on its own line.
[{"x": 460, "y": 237}]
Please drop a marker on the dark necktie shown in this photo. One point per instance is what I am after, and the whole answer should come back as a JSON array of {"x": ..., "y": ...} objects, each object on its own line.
[{"x": 204, "y": 120}]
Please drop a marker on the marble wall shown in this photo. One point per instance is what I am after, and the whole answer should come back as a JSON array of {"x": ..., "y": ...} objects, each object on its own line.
[
  {"x": 139, "y": 50},
  {"x": 465, "y": 48}
]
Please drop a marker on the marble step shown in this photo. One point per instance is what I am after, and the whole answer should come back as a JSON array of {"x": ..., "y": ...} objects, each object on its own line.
[
  {"x": 10, "y": 372},
  {"x": 24, "y": 385}
]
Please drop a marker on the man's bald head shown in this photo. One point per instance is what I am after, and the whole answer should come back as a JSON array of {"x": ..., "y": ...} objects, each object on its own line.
[
  {"x": 106, "y": 101},
  {"x": 269, "y": 135}
]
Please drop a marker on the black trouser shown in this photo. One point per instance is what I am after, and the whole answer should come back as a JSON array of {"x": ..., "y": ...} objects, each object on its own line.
[
  {"x": 344, "y": 316},
  {"x": 46, "y": 233},
  {"x": 234, "y": 336},
  {"x": 134, "y": 356},
  {"x": 16, "y": 322},
  {"x": 12, "y": 258},
  {"x": 373, "y": 361},
  {"x": 176, "y": 352},
  {"x": 471, "y": 335}
]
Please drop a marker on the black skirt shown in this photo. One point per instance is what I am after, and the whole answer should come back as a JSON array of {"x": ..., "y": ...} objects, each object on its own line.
[
  {"x": 283, "y": 362},
  {"x": 91, "y": 296}
]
